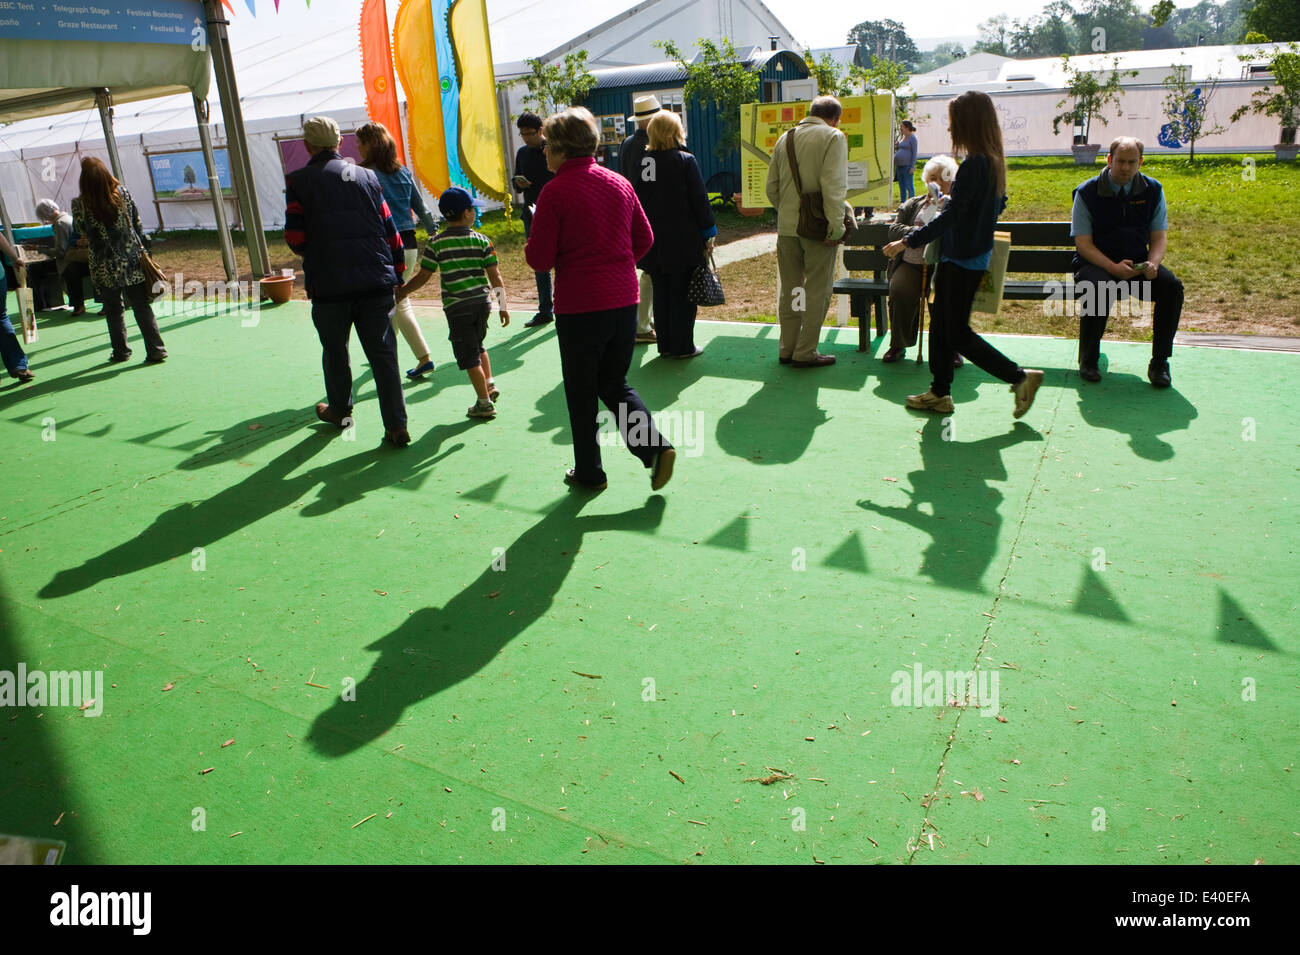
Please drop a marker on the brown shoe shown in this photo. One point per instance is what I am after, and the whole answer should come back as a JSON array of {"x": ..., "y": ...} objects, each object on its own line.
[
  {"x": 893, "y": 355},
  {"x": 649, "y": 338},
  {"x": 397, "y": 437},
  {"x": 330, "y": 416},
  {"x": 571, "y": 479},
  {"x": 1026, "y": 390},
  {"x": 662, "y": 471},
  {"x": 957, "y": 360},
  {"x": 25, "y": 376},
  {"x": 817, "y": 361}
]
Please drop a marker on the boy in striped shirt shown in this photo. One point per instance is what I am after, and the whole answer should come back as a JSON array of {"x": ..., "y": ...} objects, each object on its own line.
[{"x": 470, "y": 282}]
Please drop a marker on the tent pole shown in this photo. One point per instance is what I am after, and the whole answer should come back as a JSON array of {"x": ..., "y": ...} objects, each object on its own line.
[
  {"x": 214, "y": 189},
  {"x": 224, "y": 70},
  {"x": 104, "y": 100},
  {"x": 4, "y": 219}
]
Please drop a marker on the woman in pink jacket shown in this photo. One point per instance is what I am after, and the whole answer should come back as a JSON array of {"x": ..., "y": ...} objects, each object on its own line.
[{"x": 590, "y": 228}]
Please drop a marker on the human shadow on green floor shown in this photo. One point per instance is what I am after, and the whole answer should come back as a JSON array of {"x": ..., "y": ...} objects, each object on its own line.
[
  {"x": 37, "y": 784},
  {"x": 964, "y": 517},
  {"x": 177, "y": 531},
  {"x": 1130, "y": 405},
  {"x": 241, "y": 438},
  {"x": 438, "y": 647},
  {"x": 43, "y": 362},
  {"x": 506, "y": 355}
]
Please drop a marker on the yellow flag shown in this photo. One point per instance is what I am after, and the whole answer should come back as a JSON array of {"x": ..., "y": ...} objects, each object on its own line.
[
  {"x": 417, "y": 67},
  {"x": 482, "y": 152}
]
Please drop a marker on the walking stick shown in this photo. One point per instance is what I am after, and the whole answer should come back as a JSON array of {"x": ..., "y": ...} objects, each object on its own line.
[{"x": 920, "y": 336}]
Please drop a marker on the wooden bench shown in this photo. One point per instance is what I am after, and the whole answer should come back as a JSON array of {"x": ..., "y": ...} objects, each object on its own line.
[{"x": 1036, "y": 247}]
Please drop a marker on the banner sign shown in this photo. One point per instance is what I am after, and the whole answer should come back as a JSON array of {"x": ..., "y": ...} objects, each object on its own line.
[
  {"x": 294, "y": 155},
  {"x": 146, "y": 21},
  {"x": 867, "y": 123},
  {"x": 184, "y": 176}
]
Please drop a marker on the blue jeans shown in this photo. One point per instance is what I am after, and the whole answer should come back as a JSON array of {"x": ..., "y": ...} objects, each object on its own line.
[
  {"x": 906, "y": 188},
  {"x": 544, "y": 304},
  {"x": 15, "y": 358}
]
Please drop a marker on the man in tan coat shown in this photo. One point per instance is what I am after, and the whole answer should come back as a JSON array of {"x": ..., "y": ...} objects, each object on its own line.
[{"x": 807, "y": 266}]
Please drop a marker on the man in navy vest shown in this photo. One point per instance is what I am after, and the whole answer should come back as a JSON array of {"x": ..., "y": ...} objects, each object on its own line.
[{"x": 1119, "y": 227}]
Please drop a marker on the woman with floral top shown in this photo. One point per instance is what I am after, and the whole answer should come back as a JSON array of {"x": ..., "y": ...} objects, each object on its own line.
[{"x": 106, "y": 215}]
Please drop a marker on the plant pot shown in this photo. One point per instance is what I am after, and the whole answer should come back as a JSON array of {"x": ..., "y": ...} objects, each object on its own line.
[
  {"x": 745, "y": 210},
  {"x": 278, "y": 288},
  {"x": 1085, "y": 154},
  {"x": 1286, "y": 153}
]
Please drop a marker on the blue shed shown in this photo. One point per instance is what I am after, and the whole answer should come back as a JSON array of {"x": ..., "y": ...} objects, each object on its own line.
[{"x": 783, "y": 76}]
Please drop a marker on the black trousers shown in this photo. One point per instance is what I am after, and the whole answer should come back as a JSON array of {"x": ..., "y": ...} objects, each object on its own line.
[
  {"x": 674, "y": 312},
  {"x": 950, "y": 331},
  {"x": 73, "y": 273},
  {"x": 138, "y": 296},
  {"x": 1096, "y": 291},
  {"x": 595, "y": 354},
  {"x": 369, "y": 313}
]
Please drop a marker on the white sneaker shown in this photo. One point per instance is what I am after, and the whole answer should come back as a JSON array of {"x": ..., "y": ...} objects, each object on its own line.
[{"x": 931, "y": 402}]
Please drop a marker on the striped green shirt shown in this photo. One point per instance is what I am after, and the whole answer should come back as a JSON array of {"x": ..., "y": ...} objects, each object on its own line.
[{"x": 462, "y": 256}]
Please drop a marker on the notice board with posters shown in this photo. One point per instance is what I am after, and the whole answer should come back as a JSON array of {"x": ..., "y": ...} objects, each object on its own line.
[
  {"x": 867, "y": 124},
  {"x": 182, "y": 175}
]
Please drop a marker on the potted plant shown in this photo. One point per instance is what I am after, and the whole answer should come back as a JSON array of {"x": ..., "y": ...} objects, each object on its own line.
[
  {"x": 1088, "y": 96},
  {"x": 1281, "y": 98}
]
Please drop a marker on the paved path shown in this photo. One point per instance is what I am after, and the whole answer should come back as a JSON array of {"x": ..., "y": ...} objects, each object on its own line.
[{"x": 747, "y": 248}]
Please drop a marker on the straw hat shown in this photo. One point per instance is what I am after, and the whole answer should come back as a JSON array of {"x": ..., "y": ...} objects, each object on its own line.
[{"x": 643, "y": 107}]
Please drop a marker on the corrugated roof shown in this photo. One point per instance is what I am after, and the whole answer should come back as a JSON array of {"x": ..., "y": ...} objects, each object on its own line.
[{"x": 651, "y": 74}]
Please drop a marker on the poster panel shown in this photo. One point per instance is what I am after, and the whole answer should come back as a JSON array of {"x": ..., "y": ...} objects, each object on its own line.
[
  {"x": 182, "y": 176},
  {"x": 867, "y": 124}
]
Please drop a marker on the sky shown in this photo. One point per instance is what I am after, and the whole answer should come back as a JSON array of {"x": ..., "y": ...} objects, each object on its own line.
[{"x": 815, "y": 23}]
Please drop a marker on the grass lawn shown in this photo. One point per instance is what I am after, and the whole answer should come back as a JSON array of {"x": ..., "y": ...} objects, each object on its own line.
[{"x": 1232, "y": 241}]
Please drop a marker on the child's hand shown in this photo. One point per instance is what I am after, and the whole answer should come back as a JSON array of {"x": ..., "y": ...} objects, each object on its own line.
[{"x": 505, "y": 317}]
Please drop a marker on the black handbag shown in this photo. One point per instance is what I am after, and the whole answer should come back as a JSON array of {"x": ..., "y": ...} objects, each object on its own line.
[{"x": 705, "y": 288}]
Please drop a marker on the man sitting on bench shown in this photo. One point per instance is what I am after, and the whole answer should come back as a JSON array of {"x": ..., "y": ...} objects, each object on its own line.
[{"x": 1119, "y": 228}]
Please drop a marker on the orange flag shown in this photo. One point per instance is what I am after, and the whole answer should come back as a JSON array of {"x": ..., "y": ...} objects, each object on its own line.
[
  {"x": 377, "y": 72},
  {"x": 417, "y": 66}
]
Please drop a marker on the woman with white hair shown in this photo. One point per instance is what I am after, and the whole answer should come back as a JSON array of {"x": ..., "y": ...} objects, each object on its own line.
[
  {"x": 907, "y": 271},
  {"x": 70, "y": 253}
]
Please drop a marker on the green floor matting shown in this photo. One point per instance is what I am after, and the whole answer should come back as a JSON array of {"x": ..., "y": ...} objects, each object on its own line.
[{"x": 507, "y": 671}]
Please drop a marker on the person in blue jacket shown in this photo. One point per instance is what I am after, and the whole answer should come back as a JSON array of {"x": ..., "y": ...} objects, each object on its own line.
[
  {"x": 406, "y": 205},
  {"x": 15, "y": 359}
]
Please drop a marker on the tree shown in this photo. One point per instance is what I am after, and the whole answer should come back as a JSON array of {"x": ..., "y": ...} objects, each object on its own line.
[
  {"x": 717, "y": 76},
  {"x": 1188, "y": 107},
  {"x": 189, "y": 175},
  {"x": 885, "y": 77},
  {"x": 1051, "y": 33},
  {"x": 1110, "y": 26},
  {"x": 1089, "y": 95},
  {"x": 1282, "y": 100},
  {"x": 1277, "y": 19},
  {"x": 552, "y": 87},
  {"x": 1161, "y": 12},
  {"x": 887, "y": 40},
  {"x": 994, "y": 34},
  {"x": 828, "y": 73},
  {"x": 940, "y": 56}
]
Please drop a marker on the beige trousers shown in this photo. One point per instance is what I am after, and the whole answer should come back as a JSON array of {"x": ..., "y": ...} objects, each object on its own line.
[
  {"x": 807, "y": 271},
  {"x": 404, "y": 314},
  {"x": 643, "y": 308}
]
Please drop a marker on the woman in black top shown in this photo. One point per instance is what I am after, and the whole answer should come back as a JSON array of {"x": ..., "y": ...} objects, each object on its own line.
[
  {"x": 965, "y": 228},
  {"x": 671, "y": 189}
]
